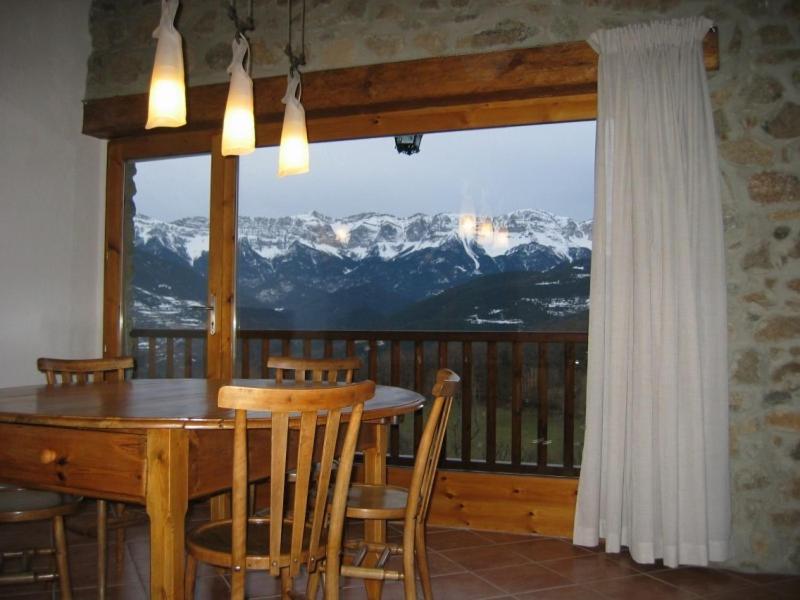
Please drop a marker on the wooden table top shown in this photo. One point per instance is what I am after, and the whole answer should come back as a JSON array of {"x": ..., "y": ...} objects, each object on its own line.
[{"x": 161, "y": 403}]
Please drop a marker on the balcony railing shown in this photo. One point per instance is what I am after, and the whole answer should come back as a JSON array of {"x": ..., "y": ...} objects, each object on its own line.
[{"x": 521, "y": 408}]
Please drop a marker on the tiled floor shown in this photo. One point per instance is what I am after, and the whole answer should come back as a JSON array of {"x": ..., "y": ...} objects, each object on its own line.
[{"x": 466, "y": 565}]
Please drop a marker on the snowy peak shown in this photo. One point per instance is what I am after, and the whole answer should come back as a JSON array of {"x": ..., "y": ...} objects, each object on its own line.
[{"x": 387, "y": 237}]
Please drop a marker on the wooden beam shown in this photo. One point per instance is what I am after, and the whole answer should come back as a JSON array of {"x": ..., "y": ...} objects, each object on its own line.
[{"x": 492, "y": 79}]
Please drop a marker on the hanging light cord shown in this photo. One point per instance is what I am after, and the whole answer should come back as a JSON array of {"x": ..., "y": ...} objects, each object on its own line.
[
  {"x": 296, "y": 60},
  {"x": 242, "y": 25}
]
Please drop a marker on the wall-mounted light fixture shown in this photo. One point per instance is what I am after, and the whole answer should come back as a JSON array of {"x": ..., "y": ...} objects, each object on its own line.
[
  {"x": 408, "y": 144},
  {"x": 167, "y": 99}
]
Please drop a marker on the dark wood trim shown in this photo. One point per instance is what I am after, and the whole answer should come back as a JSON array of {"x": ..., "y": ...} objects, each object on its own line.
[
  {"x": 492, "y": 79},
  {"x": 113, "y": 248}
]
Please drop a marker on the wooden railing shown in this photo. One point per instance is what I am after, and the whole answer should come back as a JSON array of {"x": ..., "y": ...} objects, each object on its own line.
[{"x": 521, "y": 407}]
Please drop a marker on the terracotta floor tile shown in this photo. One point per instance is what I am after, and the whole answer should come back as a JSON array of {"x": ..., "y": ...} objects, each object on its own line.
[
  {"x": 788, "y": 588},
  {"x": 703, "y": 582},
  {"x": 523, "y": 578},
  {"x": 499, "y": 537},
  {"x": 548, "y": 549},
  {"x": 626, "y": 560},
  {"x": 487, "y": 558},
  {"x": 455, "y": 538},
  {"x": 570, "y": 592},
  {"x": 639, "y": 586},
  {"x": 463, "y": 586},
  {"x": 592, "y": 567}
]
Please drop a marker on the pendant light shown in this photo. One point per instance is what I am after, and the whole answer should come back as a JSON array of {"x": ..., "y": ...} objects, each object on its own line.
[
  {"x": 238, "y": 126},
  {"x": 167, "y": 98},
  {"x": 293, "y": 153}
]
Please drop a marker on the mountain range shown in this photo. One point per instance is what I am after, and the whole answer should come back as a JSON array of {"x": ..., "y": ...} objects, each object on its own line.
[{"x": 527, "y": 269}]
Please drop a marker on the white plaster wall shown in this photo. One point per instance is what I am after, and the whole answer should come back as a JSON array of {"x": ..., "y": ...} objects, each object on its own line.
[{"x": 51, "y": 190}]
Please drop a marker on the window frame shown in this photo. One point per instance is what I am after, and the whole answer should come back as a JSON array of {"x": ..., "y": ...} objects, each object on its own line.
[{"x": 482, "y": 91}]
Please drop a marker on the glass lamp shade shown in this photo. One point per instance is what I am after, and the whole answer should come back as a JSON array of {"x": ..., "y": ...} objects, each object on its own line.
[
  {"x": 167, "y": 101},
  {"x": 238, "y": 126},
  {"x": 293, "y": 153}
]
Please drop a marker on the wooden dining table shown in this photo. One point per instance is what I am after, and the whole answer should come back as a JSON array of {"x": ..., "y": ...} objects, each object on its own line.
[{"x": 156, "y": 442}]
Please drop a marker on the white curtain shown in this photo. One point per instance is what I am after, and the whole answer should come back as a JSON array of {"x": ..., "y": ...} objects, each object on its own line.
[{"x": 654, "y": 475}]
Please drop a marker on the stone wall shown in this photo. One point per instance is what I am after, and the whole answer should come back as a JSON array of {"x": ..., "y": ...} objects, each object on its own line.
[{"x": 756, "y": 96}]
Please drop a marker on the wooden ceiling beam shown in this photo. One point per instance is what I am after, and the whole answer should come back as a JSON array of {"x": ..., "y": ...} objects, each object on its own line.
[{"x": 492, "y": 79}]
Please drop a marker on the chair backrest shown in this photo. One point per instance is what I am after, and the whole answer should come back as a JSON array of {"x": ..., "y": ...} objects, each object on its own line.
[
  {"x": 320, "y": 369},
  {"x": 430, "y": 446},
  {"x": 84, "y": 370},
  {"x": 312, "y": 412}
]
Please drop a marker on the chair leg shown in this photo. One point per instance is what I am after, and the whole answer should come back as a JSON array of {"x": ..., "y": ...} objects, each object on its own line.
[
  {"x": 238, "y": 584},
  {"x": 189, "y": 577},
  {"x": 333, "y": 565},
  {"x": 61, "y": 557},
  {"x": 422, "y": 562},
  {"x": 120, "y": 535},
  {"x": 312, "y": 587},
  {"x": 102, "y": 547},
  {"x": 409, "y": 580},
  {"x": 286, "y": 585}
]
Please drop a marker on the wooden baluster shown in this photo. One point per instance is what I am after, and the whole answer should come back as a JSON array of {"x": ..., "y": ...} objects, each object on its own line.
[
  {"x": 569, "y": 406},
  {"x": 307, "y": 348},
  {"x": 419, "y": 386},
  {"x": 170, "y": 357},
  {"x": 516, "y": 403},
  {"x": 264, "y": 357},
  {"x": 350, "y": 347},
  {"x": 151, "y": 357},
  {"x": 373, "y": 359},
  {"x": 394, "y": 379},
  {"x": 187, "y": 357},
  {"x": 542, "y": 412},
  {"x": 491, "y": 403},
  {"x": 466, "y": 404},
  {"x": 286, "y": 347},
  {"x": 327, "y": 351},
  {"x": 245, "y": 358},
  {"x": 443, "y": 365}
]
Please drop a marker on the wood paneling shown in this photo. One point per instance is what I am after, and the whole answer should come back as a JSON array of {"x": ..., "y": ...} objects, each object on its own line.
[
  {"x": 495, "y": 502},
  {"x": 558, "y": 70}
]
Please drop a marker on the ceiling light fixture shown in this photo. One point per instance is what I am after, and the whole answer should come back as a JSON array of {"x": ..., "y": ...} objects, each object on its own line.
[
  {"x": 238, "y": 125},
  {"x": 167, "y": 98},
  {"x": 293, "y": 153}
]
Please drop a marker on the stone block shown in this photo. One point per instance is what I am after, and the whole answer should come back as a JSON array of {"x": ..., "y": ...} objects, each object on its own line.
[
  {"x": 786, "y": 124},
  {"x": 779, "y": 328},
  {"x": 771, "y": 187},
  {"x": 746, "y": 151}
]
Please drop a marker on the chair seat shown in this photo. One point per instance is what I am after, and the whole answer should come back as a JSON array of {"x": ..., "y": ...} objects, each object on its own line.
[
  {"x": 212, "y": 542},
  {"x": 385, "y": 502},
  {"x": 21, "y": 504}
]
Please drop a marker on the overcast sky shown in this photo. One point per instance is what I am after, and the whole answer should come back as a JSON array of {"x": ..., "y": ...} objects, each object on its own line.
[{"x": 488, "y": 172}]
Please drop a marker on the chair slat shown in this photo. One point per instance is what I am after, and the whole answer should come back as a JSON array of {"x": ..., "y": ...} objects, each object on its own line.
[
  {"x": 305, "y": 447},
  {"x": 280, "y": 434}
]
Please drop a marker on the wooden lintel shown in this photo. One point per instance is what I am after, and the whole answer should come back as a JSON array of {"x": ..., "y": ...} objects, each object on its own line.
[{"x": 559, "y": 70}]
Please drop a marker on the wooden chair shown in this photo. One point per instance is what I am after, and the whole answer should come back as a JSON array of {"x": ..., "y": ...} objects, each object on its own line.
[
  {"x": 387, "y": 502},
  {"x": 20, "y": 505},
  {"x": 320, "y": 369},
  {"x": 306, "y": 417},
  {"x": 82, "y": 372}
]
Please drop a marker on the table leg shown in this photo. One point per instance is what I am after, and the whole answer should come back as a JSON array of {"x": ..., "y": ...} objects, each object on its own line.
[
  {"x": 167, "y": 501},
  {"x": 375, "y": 472}
]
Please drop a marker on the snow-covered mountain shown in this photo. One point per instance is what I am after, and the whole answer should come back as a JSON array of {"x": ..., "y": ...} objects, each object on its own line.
[{"x": 312, "y": 270}]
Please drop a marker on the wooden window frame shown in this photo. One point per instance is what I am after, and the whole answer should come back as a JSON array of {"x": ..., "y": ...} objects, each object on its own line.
[{"x": 549, "y": 84}]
